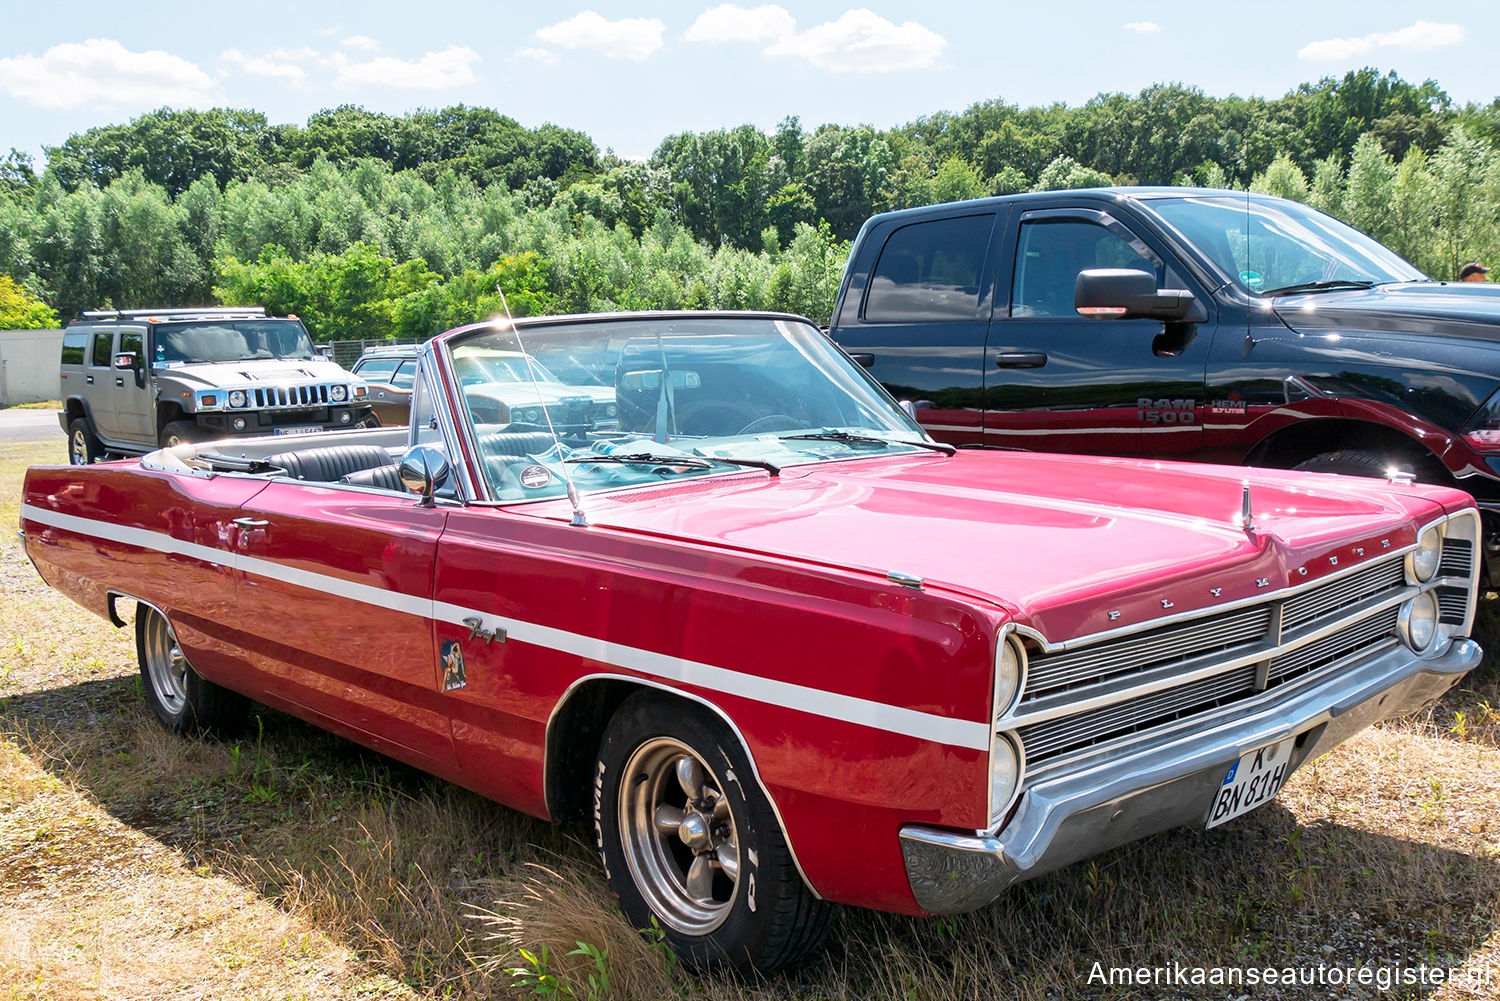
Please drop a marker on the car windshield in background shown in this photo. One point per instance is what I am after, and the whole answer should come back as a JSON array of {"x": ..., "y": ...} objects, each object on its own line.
[
  {"x": 659, "y": 399},
  {"x": 239, "y": 340},
  {"x": 1273, "y": 248}
]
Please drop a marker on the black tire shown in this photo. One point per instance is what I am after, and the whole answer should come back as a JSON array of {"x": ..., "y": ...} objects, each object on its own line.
[
  {"x": 84, "y": 446},
  {"x": 1352, "y": 462},
  {"x": 180, "y": 433},
  {"x": 183, "y": 701},
  {"x": 760, "y": 918}
]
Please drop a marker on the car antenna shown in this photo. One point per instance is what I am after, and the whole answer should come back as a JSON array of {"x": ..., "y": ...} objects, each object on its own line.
[{"x": 580, "y": 519}]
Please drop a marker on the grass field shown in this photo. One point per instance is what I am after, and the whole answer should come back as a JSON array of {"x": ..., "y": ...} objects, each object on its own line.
[{"x": 292, "y": 864}]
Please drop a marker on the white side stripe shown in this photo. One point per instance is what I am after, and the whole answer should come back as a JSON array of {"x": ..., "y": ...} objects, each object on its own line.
[{"x": 878, "y": 715}]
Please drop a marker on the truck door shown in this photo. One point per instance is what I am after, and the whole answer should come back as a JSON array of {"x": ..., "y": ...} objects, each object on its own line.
[
  {"x": 98, "y": 384},
  {"x": 916, "y": 311},
  {"x": 1057, "y": 381},
  {"x": 134, "y": 399}
]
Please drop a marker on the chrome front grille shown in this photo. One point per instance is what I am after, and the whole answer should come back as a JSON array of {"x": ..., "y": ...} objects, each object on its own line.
[
  {"x": 275, "y": 397},
  {"x": 1135, "y": 683}
]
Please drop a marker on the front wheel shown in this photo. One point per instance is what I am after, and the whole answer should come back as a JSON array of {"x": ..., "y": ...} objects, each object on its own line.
[
  {"x": 179, "y": 433},
  {"x": 183, "y": 701},
  {"x": 689, "y": 841}
]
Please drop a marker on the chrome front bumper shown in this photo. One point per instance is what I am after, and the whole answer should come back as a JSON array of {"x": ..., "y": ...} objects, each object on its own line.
[{"x": 1093, "y": 806}]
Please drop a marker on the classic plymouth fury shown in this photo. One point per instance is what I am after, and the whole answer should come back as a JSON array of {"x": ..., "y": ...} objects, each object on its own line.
[{"x": 778, "y": 647}]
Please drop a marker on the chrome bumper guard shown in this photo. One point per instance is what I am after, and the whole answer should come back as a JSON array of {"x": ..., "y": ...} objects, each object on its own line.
[{"x": 1100, "y": 804}]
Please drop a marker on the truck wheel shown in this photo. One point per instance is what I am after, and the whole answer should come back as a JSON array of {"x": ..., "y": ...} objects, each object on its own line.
[
  {"x": 184, "y": 702},
  {"x": 84, "y": 446},
  {"x": 179, "y": 433},
  {"x": 689, "y": 841},
  {"x": 1351, "y": 462}
]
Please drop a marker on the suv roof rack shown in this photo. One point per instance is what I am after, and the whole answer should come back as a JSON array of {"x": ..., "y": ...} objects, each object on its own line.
[{"x": 190, "y": 312}]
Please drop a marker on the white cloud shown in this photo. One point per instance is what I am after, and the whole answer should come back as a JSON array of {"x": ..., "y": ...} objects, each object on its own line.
[
  {"x": 1420, "y": 36},
  {"x": 268, "y": 65},
  {"x": 452, "y": 67},
  {"x": 364, "y": 43},
  {"x": 863, "y": 41},
  {"x": 538, "y": 56},
  {"x": 631, "y": 38},
  {"x": 103, "y": 73},
  {"x": 732, "y": 23},
  {"x": 1143, "y": 27}
]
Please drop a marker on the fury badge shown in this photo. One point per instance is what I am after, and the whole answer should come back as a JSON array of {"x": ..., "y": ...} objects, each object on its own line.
[
  {"x": 1113, "y": 616},
  {"x": 1216, "y": 591},
  {"x": 1262, "y": 582},
  {"x": 477, "y": 630},
  {"x": 453, "y": 666},
  {"x": 1165, "y": 603}
]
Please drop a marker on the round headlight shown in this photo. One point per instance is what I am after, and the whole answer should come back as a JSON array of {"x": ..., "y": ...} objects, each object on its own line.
[
  {"x": 1005, "y": 776},
  {"x": 1008, "y": 661},
  {"x": 236, "y": 397},
  {"x": 1424, "y": 560},
  {"x": 531, "y": 416},
  {"x": 338, "y": 394},
  {"x": 610, "y": 411},
  {"x": 1419, "y": 621}
]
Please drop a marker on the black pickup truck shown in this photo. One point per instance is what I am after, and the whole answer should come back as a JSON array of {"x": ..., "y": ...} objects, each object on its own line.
[{"x": 1179, "y": 323}]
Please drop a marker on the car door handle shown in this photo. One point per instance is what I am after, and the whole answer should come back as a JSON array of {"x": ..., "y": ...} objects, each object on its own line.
[
  {"x": 89, "y": 380},
  {"x": 863, "y": 359},
  {"x": 248, "y": 523},
  {"x": 119, "y": 380},
  {"x": 1020, "y": 359}
]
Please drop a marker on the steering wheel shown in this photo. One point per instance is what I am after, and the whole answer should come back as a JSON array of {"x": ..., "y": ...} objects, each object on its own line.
[{"x": 772, "y": 422}]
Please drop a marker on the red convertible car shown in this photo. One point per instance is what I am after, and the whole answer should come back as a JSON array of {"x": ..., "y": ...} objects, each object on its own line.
[{"x": 778, "y": 647}]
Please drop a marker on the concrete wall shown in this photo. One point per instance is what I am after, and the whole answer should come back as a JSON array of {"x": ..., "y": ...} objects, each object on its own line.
[{"x": 29, "y": 366}]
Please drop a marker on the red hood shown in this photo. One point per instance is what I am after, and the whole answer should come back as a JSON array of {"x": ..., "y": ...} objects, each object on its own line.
[{"x": 1060, "y": 540}]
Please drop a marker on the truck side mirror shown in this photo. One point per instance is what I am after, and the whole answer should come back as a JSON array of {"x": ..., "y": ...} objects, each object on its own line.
[
  {"x": 132, "y": 361},
  {"x": 1126, "y": 292}
]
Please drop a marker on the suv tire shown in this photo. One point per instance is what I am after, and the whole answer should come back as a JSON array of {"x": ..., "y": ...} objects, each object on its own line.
[
  {"x": 84, "y": 446},
  {"x": 1350, "y": 462},
  {"x": 179, "y": 433}
]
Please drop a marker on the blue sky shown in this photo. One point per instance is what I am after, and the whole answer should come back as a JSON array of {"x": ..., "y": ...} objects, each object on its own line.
[{"x": 630, "y": 73}]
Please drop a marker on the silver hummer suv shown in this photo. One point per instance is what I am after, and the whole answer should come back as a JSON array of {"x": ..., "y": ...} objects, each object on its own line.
[{"x": 134, "y": 380}]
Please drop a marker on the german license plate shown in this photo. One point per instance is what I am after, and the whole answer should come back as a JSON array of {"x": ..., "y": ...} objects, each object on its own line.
[
  {"x": 1254, "y": 779},
  {"x": 308, "y": 429}
]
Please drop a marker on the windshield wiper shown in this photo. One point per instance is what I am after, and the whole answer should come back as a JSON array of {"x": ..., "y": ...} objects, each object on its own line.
[
  {"x": 1322, "y": 286},
  {"x": 691, "y": 461},
  {"x": 849, "y": 438}
]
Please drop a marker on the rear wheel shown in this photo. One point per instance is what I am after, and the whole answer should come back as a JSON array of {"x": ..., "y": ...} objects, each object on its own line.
[
  {"x": 182, "y": 700},
  {"x": 1352, "y": 462},
  {"x": 84, "y": 446},
  {"x": 689, "y": 841}
]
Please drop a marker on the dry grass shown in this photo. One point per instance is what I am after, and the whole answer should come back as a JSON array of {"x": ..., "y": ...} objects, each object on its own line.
[{"x": 293, "y": 864}]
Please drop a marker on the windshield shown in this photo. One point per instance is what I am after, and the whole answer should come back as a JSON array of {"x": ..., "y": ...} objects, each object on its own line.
[
  {"x": 661, "y": 399},
  {"x": 475, "y": 364},
  {"x": 236, "y": 340},
  {"x": 1271, "y": 246}
]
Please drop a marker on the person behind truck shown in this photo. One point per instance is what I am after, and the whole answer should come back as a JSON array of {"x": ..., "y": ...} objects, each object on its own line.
[{"x": 1474, "y": 272}]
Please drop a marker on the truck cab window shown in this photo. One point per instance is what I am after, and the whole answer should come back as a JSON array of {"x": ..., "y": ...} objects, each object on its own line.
[
  {"x": 1051, "y": 253},
  {"x": 930, "y": 270}
]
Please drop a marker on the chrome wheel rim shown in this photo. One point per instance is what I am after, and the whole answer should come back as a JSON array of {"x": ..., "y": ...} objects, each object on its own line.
[
  {"x": 679, "y": 836},
  {"x": 166, "y": 667},
  {"x": 78, "y": 450}
]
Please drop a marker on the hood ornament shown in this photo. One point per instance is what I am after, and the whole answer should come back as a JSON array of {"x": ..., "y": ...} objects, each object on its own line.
[{"x": 1247, "y": 517}]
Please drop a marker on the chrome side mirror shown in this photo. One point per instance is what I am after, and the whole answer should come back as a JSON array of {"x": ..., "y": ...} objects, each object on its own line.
[{"x": 423, "y": 470}]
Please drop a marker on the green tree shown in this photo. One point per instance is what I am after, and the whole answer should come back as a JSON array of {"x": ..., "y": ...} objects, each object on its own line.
[{"x": 19, "y": 310}]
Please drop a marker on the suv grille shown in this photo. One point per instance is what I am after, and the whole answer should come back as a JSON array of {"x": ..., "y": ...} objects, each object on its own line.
[
  {"x": 274, "y": 397},
  {"x": 1304, "y": 636}
]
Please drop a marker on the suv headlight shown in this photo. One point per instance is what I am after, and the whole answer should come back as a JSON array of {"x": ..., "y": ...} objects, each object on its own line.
[
  {"x": 1422, "y": 563},
  {"x": 237, "y": 398},
  {"x": 338, "y": 394}
]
